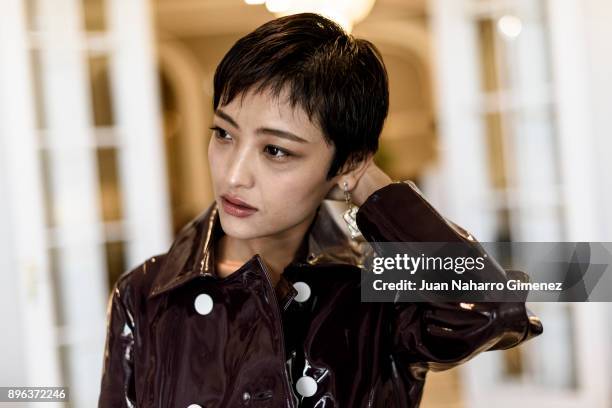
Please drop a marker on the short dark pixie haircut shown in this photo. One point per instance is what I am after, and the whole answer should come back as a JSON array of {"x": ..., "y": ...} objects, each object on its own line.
[{"x": 338, "y": 80}]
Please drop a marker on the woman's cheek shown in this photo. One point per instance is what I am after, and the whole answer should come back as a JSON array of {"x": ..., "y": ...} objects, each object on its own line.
[
  {"x": 216, "y": 158},
  {"x": 309, "y": 194},
  {"x": 287, "y": 191},
  {"x": 213, "y": 157}
]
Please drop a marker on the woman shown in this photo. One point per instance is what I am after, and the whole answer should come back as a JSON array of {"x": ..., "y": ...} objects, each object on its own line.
[{"x": 257, "y": 302}]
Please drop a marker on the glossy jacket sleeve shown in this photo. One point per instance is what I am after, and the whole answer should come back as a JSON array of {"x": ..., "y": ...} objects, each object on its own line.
[
  {"x": 117, "y": 387},
  {"x": 439, "y": 335}
]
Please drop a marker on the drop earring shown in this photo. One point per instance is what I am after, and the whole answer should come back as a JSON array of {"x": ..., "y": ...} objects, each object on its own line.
[{"x": 350, "y": 214}]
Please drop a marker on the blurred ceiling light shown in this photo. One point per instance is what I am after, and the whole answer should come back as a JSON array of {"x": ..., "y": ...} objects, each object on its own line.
[
  {"x": 278, "y": 6},
  {"x": 254, "y": 1},
  {"x": 344, "y": 12},
  {"x": 510, "y": 26}
]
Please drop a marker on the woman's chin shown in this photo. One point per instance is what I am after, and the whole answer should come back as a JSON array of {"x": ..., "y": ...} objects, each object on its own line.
[{"x": 241, "y": 228}]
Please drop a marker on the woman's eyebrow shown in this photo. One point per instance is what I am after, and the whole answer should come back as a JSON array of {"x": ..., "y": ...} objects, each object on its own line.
[
  {"x": 264, "y": 130},
  {"x": 227, "y": 118},
  {"x": 281, "y": 133}
]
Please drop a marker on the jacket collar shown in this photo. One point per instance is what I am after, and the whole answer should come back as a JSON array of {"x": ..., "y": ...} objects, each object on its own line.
[{"x": 192, "y": 252}]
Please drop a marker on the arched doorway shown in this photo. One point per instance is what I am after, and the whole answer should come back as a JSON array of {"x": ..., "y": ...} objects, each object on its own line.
[{"x": 185, "y": 117}]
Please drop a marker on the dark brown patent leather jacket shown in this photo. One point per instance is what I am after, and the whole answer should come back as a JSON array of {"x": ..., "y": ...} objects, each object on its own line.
[{"x": 180, "y": 336}]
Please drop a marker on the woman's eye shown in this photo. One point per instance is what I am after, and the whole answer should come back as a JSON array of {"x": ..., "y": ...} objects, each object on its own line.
[
  {"x": 276, "y": 152},
  {"x": 220, "y": 133},
  {"x": 273, "y": 151}
]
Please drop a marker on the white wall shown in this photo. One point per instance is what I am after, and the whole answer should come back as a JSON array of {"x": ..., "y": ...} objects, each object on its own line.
[
  {"x": 598, "y": 15},
  {"x": 12, "y": 354}
]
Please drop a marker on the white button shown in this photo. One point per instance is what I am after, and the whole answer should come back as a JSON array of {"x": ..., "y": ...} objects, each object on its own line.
[
  {"x": 306, "y": 386},
  {"x": 194, "y": 406},
  {"x": 303, "y": 291},
  {"x": 203, "y": 304}
]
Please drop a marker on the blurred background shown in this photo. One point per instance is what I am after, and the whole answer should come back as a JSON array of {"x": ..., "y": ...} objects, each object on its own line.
[{"x": 500, "y": 111}]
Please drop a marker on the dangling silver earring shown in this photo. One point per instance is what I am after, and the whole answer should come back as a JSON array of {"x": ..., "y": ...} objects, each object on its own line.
[{"x": 350, "y": 214}]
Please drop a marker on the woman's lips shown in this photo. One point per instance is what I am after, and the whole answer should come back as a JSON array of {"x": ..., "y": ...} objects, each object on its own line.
[{"x": 236, "y": 207}]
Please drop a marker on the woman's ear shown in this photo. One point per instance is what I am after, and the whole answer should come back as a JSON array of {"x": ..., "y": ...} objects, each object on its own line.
[{"x": 352, "y": 176}]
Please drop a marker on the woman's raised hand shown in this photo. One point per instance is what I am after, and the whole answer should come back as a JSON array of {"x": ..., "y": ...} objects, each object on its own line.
[{"x": 361, "y": 184}]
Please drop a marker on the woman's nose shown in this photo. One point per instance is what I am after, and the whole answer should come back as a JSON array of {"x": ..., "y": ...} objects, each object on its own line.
[{"x": 240, "y": 172}]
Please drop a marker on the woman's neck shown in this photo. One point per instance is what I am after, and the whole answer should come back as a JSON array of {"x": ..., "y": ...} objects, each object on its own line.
[{"x": 277, "y": 251}]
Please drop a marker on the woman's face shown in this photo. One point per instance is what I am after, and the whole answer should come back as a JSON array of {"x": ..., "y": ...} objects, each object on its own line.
[{"x": 271, "y": 157}]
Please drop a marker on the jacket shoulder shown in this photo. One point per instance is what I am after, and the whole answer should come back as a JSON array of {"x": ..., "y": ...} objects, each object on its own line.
[
  {"x": 137, "y": 283},
  {"x": 134, "y": 284}
]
